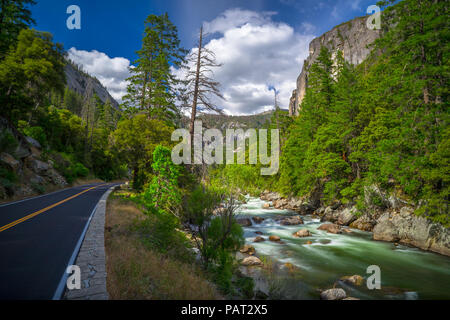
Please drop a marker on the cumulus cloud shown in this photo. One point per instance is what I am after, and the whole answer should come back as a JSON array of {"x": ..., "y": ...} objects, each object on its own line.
[
  {"x": 257, "y": 54},
  {"x": 111, "y": 72}
]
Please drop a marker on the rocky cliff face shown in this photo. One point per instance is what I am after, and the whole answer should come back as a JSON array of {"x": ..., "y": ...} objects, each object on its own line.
[
  {"x": 80, "y": 82},
  {"x": 352, "y": 38}
]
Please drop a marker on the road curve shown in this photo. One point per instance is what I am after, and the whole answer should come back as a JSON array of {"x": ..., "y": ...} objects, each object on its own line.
[{"x": 38, "y": 237}]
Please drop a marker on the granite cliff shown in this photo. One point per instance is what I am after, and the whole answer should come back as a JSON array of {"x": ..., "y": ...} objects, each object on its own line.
[{"x": 353, "y": 38}]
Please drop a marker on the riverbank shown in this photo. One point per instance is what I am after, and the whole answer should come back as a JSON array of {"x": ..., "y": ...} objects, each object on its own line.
[
  {"x": 135, "y": 267},
  {"x": 394, "y": 221}
]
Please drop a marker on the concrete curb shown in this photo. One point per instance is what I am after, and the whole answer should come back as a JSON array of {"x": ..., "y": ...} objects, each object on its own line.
[{"x": 92, "y": 259}]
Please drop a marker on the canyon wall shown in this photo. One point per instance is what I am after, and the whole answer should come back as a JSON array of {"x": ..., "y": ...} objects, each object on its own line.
[{"x": 353, "y": 38}]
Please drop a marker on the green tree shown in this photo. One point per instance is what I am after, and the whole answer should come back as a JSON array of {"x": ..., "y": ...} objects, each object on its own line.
[
  {"x": 136, "y": 139},
  {"x": 29, "y": 73},
  {"x": 14, "y": 17},
  {"x": 151, "y": 88}
]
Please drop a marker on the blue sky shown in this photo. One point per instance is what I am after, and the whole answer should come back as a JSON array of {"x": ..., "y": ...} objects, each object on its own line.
[{"x": 111, "y": 32}]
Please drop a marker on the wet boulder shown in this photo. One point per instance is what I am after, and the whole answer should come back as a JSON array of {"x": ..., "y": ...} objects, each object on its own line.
[
  {"x": 257, "y": 219},
  {"x": 302, "y": 233},
  {"x": 248, "y": 249},
  {"x": 251, "y": 261},
  {"x": 355, "y": 280},
  {"x": 330, "y": 228},
  {"x": 291, "y": 221},
  {"x": 274, "y": 238},
  {"x": 266, "y": 205},
  {"x": 259, "y": 239},
  {"x": 333, "y": 294},
  {"x": 245, "y": 222}
]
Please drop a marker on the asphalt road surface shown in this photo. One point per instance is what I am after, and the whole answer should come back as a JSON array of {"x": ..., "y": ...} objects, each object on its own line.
[{"x": 38, "y": 236}]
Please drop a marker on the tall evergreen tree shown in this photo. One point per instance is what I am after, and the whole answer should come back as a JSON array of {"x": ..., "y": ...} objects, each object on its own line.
[{"x": 151, "y": 88}]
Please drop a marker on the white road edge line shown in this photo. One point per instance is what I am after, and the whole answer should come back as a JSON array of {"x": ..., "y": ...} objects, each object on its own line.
[{"x": 62, "y": 283}]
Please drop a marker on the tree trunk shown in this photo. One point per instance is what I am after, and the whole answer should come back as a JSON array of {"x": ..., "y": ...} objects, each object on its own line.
[{"x": 196, "y": 85}]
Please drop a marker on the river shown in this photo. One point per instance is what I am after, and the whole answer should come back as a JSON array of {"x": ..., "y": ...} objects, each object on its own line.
[{"x": 406, "y": 273}]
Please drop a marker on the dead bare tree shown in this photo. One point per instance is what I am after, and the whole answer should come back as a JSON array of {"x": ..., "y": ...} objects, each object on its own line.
[{"x": 199, "y": 82}]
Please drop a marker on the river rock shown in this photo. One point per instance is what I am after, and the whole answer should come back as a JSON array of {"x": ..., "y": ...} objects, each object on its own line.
[
  {"x": 280, "y": 204},
  {"x": 257, "y": 219},
  {"x": 266, "y": 205},
  {"x": 347, "y": 216},
  {"x": 366, "y": 222},
  {"x": 259, "y": 239},
  {"x": 248, "y": 249},
  {"x": 258, "y": 232},
  {"x": 330, "y": 227},
  {"x": 246, "y": 222},
  {"x": 302, "y": 233},
  {"x": 291, "y": 221},
  {"x": 350, "y": 298},
  {"x": 333, "y": 294},
  {"x": 342, "y": 217},
  {"x": 251, "y": 261},
  {"x": 309, "y": 242},
  {"x": 407, "y": 228},
  {"x": 274, "y": 238},
  {"x": 269, "y": 196},
  {"x": 355, "y": 280}
]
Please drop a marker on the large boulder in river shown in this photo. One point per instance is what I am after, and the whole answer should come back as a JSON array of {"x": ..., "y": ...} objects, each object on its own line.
[
  {"x": 266, "y": 205},
  {"x": 257, "y": 219},
  {"x": 292, "y": 221},
  {"x": 251, "y": 261},
  {"x": 259, "y": 239},
  {"x": 408, "y": 228},
  {"x": 355, "y": 280},
  {"x": 274, "y": 238},
  {"x": 245, "y": 222},
  {"x": 333, "y": 294},
  {"x": 330, "y": 228},
  {"x": 248, "y": 249},
  {"x": 302, "y": 233}
]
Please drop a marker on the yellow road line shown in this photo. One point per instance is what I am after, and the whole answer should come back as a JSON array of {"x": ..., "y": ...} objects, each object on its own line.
[{"x": 12, "y": 224}]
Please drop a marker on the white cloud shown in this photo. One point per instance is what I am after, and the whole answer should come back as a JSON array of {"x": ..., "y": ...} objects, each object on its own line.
[
  {"x": 111, "y": 72},
  {"x": 256, "y": 53}
]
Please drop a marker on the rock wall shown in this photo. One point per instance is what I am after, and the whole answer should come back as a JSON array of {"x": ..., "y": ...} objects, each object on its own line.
[
  {"x": 352, "y": 38},
  {"x": 25, "y": 162},
  {"x": 80, "y": 82}
]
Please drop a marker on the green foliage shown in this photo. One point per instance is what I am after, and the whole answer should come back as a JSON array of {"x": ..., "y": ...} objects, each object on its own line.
[
  {"x": 162, "y": 193},
  {"x": 383, "y": 123},
  {"x": 29, "y": 72},
  {"x": 135, "y": 140},
  {"x": 36, "y": 132},
  {"x": 14, "y": 16},
  {"x": 151, "y": 86},
  {"x": 8, "y": 142}
]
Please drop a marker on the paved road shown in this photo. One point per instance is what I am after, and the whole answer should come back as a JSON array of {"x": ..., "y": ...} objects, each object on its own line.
[{"x": 38, "y": 237}]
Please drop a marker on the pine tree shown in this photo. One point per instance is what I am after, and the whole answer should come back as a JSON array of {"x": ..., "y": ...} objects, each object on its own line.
[{"x": 151, "y": 88}]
